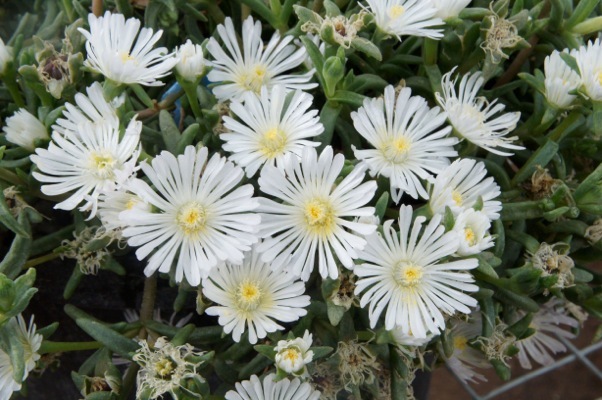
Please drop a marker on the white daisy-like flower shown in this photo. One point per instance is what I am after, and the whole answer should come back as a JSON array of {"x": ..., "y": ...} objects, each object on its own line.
[
  {"x": 23, "y": 129},
  {"x": 406, "y": 17},
  {"x": 402, "y": 338},
  {"x": 92, "y": 108},
  {"x": 409, "y": 140},
  {"x": 31, "y": 342},
  {"x": 560, "y": 79},
  {"x": 253, "y": 297},
  {"x": 472, "y": 227},
  {"x": 547, "y": 323},
  {"x": 115, "y": 49},
  {"x": 200, "y": 217},
  {"x": 257, "y": 65},
  {"x": 191, "y": 64},
  {"x": 269, "y": 389},
  {"x": 270, "y": 128},
  {"x": 163, "y": 367},
  {"x": 449, "y": 8},
  {"x": 96, "y": 161},
  {"x": 460, "y": 186},
  {"x": 315, "y": 214},
  {"x": 403, "y": 272},
  {"x": 6, "y": 56},
  {"x": 589, "y": 60},
  {"x": 111, "y": 204},
  {"x": 465, "y": 359},
  {"x": 293, "y": 355},
  {"x": 473, "y": 117}
]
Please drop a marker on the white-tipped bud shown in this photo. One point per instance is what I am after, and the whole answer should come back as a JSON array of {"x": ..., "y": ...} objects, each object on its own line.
[
  {"x": 192, "y": 63},
  {"x": 6, "y": 55},
  {"x": 23, "y": 129}
]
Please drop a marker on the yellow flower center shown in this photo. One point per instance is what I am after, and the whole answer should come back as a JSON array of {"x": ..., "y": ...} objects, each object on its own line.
[
  {"x": 273, "y": 142},
  {"x": 125, "y": 57},
  {"x": 460, "y": 342},
  {"x": 131, "y": 203},
  {"x": 600, "y": 78},
  {"x": 319, "y": 216},
  {"x": 397, "y": 150},
  {"x": 248, "y": 295},
  {"x": 457, "y": 198},
  {"x": 102, "y": 164},
  {"x": 408, "y": 274},
  {"x": 164, "y": 368},
  {"x": 396, "y": 11},
  {"x": 254, "y": 78},
  {"x": 192, "y": 218},
  {"x": 469, "y": 236},
  {"x": 291, "y": 354}
]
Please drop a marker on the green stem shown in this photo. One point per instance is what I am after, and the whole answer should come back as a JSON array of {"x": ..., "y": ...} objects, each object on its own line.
[
  {"x": 148, "y": 302},
  {"x": 40, "y": 260},
  {"x": 429, "y": 51},
  {"x": 69, "y": 10},
  {"x": 10, "y": 177},
  {"x": 563, "y": 129},
  {"x": 193, "y": 99},
  {"x": 61, "y": 347},
  {"x": 12, "y": 86},
  {"x": 214, "y": 11},
  {"x": 129, "y": 381}
]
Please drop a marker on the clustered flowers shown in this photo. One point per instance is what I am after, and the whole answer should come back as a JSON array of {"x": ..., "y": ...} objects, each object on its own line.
[{"x": 382, "y": 209}]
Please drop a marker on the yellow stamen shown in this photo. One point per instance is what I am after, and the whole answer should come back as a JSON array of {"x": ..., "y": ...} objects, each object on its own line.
[
  {"x": 102, "y": 164},
  {"x": 273, "y": 142},
  {"x": 397, "y": 149},
  {"x": 125, "y": 57},
  {"x": 460, "y": 342},
  {"x": 319, "y": 216},
  {"x": 469, "y": 236},
  {"x": 396, "y": 11},
  {"x": 407, "y": 274},
  {"x": 164, "y": 368},
  {"x": 248, "y": 295},
  {"x": 291, "y": 354},
  {"x": 254, "y": 78},
  {"x": 192, "y": 218},
  {"x": 457, "y": 198},
  {"x": 600, "y": 78}
]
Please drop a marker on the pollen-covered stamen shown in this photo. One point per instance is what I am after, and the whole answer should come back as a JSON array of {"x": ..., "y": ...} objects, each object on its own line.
[
  {"x": 319, "y": 216},
  {"x": 469, "y": 236},
  {"x": 102, "y": 164},
  {"x": 407, "y": 274},
  {"x": 396, "y": 11},
  {"x": 248, "y": 295},
  {"x": 164, "y": 368},
  {"x": 254, "y": 78},
  {"x": 397, "y": 150},
  {"x": 457, "y": 198},
  {"x": 192, "y": 218},
  {"x": 273, "y": 142},
  {"x": 460, "y": 342},
  {"x": 125, "y": 57}
]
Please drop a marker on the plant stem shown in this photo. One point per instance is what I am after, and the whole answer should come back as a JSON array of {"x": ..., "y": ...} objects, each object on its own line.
[
  {"x": 61, "y": 347},
  {"x": 148, "y": 302},
  {"x": 429, "y": 51},
  {"x": 13, "y": 89},
  {"x": 10, "y": 177},
  {"x": 40, "y": 260}
]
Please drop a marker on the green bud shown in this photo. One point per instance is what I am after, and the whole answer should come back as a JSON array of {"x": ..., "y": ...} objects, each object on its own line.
[
  {"x": 333, "y": 72},
  {"x": 7, "y": 293}
]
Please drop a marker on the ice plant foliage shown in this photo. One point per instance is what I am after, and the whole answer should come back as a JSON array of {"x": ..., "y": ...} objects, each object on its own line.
[
  {"x": 323, "y": 190},
  {"x": 403, "y": 272},
  {"x": 122, "y": 52},
  {"x": 256, "y": 65},
  {"x": 314, "y": 215},
  {"x": 410, "y": 143},
  {"x": 270, "y": 127},
  {"x": 251, "y": 297},
  {"x": 200, "y": 217}
]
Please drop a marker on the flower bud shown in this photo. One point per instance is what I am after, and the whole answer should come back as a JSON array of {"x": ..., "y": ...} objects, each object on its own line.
[
  {"x": 192, "y": 63},
  {"x": 6, "y": 56},
  {"x": 293, "y": 355},
  {"x": 23, "y": 129}
]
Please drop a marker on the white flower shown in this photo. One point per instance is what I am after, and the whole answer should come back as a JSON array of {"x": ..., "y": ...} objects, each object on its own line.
[
  {"x": 92, "y": 108},
  {"x": 6, "y": 56},
  {"x": 31, "y": 341},
  {"x": 406, "y": 17},
  {"x": 163, "y": 368},
  {"x": 547, "y": 324},
  {"x": 23, "y": 129},
  {"x": 449, "y": 8},
  {"x": 403, "y": 273},
  {"x": 257, "y": 65},
  {"x": 465, "y": 359},
  {"x": 293, "y": 355},
  {"x": 191, "y": 64},
  {"x": 200, "y": 216},
  {"x": 269, "y": 389},
  {"x": 474, "y": 118},
  {"x": 111, "y": 204},
  {"x": 408, "y": 339},
  {"x": 559, "y": 81},
  {"x": 459, "y": 187},
  {"x": 94, "y": 162},
  {"x": 311, "y": 220},
  {"x": 252, "y": 296},
  {"x": 472, "y": 227},
  {"x": 116, "y": 50},
  {"x": 408, "y": 139},
  {"x": 589, "y": 60},
  {"x": 270, "y": 128}
]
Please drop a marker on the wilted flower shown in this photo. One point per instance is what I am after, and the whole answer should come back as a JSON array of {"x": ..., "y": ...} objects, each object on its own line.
[
  {"x": 88, "y": 261},
  {"x": 553, "y": 260},
  {"x": 23, "y": 129},
  {"x": 502, "y": 34},
  {"x": 357, "y": 364},
  {"x": 465, "y": 358}
]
